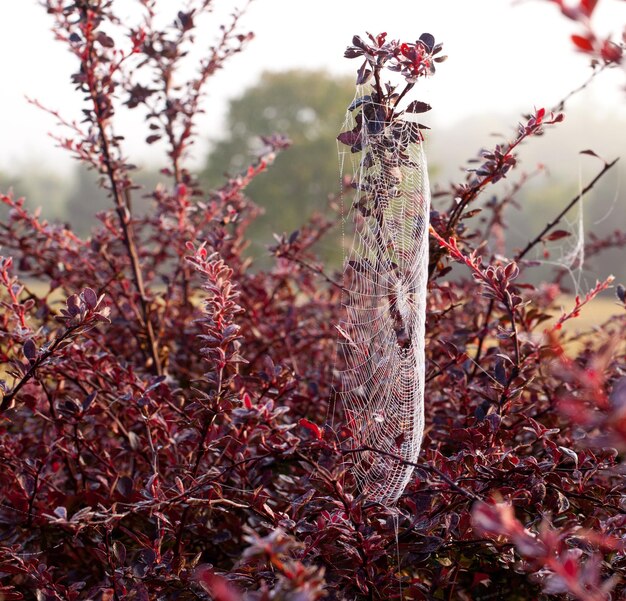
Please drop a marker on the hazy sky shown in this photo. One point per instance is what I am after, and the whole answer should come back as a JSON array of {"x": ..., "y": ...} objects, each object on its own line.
[{"x": 503, "y": 57}]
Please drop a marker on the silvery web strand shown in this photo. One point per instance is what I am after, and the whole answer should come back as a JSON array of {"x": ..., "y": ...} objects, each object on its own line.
[{"x": 382, "y": 335}]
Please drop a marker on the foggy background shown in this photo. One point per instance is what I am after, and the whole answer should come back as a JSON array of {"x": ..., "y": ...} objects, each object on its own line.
[{"x": 505, "y": 59}]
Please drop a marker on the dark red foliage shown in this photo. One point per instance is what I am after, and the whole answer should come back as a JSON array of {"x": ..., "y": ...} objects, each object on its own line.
[
  {"x": 166, "y": 432},
  {"x": 605, "y": 52}
]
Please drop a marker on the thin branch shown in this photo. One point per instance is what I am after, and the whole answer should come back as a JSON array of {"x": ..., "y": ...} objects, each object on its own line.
[
  {"x": 467, "y": 493},
  {"x": 315, "y": 270},
  {"x": 561, "y": 104},
  {"x": 122, "y": 203},
  {"x": 562, "y": 214}
]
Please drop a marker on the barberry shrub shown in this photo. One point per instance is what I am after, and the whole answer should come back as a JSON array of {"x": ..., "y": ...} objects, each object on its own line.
[{"x": 165, "y": 409}]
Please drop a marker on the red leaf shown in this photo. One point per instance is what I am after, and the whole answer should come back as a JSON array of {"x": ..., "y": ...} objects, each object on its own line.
[
  {"x": 557, "y": 235},
  {"x": 311, "y": 427},
  {"x": 217, "y": 586},
  {"x": 8, "y": 593},
  {"x": 587, "y": 6},
  {"x": 611, "y": 52},
  {"x": 351, "y": 138},
  {"x": 583, "y": 43},
  {"x": 90, "y": 297},
  {"x": 105, "y": 40},
  {"x": 570, "y": 566},
  {"x": 363, "y": 74}
]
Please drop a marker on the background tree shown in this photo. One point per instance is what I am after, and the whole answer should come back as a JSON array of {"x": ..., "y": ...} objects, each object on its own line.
[{"x": 308, "y": 107}]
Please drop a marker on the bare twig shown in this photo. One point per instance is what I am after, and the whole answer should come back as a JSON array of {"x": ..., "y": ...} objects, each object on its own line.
[
  {"x": 122, "y": 201},
  {"x": 520, "y": 255}
]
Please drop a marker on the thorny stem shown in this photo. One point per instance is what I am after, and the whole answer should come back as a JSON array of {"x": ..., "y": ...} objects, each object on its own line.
[
  {"x": 83, "y": 476},
  {"x": 129, "y": 241},
  {"x": 562, "y": 214},
  {"x": 561, "y": 105},
  {"x": 154, "y": 460},
  {"x": 516, "y": 366},
  {"x": 107, "y": 542},
  {"x": 511, "y": 311},
  {"x": 200, "y": 452},
  {"x": 439, "y": 370},
  {"x": 379, "y": 88},
  {"x": 69, "y": 465},
  {"x": 472, "y": 192},
  {"x": 483, "y": 337},
  {"x": 407, "y": 88},
  {"x": 122, "y": 203},
  {"x": 31, "y": 499}
]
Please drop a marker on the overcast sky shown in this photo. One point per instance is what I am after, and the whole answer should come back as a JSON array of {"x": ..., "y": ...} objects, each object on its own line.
[{"x": 503, "y": 57}]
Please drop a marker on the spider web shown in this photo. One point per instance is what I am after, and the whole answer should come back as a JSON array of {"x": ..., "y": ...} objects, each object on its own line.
[
  {"x": 382, "y": 335},
  {"x": 570, "y": 252}
]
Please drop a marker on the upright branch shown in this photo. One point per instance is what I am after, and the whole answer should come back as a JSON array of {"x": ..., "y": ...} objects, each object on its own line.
[
  {"x": 381, "y": 106},
  {"x": 478, "y": 184},
  {"x": 173, "y": 108},
  {"x": 543, "y": 235},
  {"x": 98, "y": 77}
]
